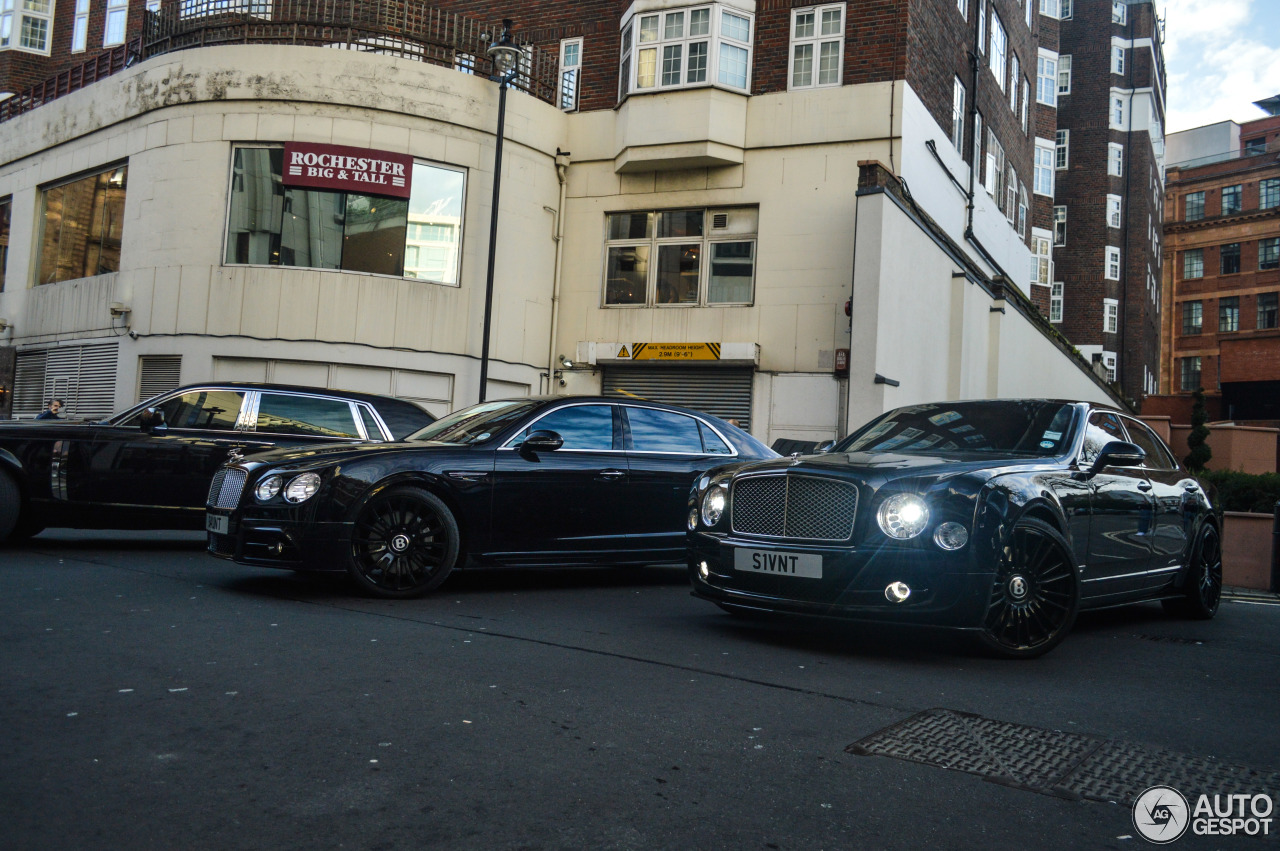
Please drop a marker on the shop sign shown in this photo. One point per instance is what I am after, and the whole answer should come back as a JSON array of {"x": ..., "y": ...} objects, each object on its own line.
[
  {"x": 674, "y": 351},
  {"x": 347, "y": 169}
]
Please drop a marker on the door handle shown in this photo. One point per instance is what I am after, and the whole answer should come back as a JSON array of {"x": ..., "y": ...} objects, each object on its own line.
[
  {"x": 611, "y": 475},
  {"x": 1145, "y": 486}
]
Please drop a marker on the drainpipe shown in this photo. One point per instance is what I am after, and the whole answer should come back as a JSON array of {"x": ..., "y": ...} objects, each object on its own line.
[{"x": 562, "y": 167}]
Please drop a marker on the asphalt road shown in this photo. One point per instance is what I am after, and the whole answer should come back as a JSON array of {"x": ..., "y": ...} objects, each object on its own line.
[{"x": 154, "y": 697}]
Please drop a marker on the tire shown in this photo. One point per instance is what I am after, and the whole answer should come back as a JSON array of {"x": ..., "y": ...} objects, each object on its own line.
[
  {"x": 1035, "y": 594},
  {"x": 405, "y": 543},
  {"x": 1202, "y": 591},
  {"x": 25, "y": 530},
  {"x": 10, "y": 506}
]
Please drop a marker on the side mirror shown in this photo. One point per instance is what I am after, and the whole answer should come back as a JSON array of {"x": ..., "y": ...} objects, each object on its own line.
[
  {"x": 1117, "y": 453},
  {"x": 542, "y": 441},
  {"x": 825, "y": 447},
  {"x": 152, "y": 421}
]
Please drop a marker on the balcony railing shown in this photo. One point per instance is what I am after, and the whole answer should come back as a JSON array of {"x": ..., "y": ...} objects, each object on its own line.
[{"x": 387, "y": 27}]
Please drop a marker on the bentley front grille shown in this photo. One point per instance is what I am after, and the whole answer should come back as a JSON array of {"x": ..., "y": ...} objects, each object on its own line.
[
  {"x": 811, "y": 508},
  {"x": 224, "y": 491}
]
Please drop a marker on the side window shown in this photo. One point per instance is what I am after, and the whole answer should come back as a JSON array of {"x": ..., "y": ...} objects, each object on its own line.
[
  {"x": 213, "y": 410},
  {"x": 1101, "y": 430},
  {"x": 587, "y": 427},
  {"x": 711, "y": 442},
  {"x": 305, "y": 415},
  {"x": 1158, "y": 458},
  {"x": 663, "y": 431},
  {"x": 370, "y": 424}
]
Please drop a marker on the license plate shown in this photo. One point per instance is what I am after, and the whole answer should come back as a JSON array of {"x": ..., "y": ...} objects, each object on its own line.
[
  {"x": 217, "y": 523},
  {"x": 778, "y": 563}
]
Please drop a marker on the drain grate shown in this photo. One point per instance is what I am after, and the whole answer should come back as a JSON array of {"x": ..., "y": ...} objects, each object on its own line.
[{"x": 1051, "y": 762}]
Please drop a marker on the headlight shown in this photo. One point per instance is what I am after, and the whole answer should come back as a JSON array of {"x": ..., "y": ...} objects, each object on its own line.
[
  {"x": 268, "y": 488},
  {"x": 302, "y": 488},
  {"x": 693, "y": 519},
  {"x": 713, "y": 503},
  {"x": 951, "y": 535},
  {"x": 903, "y": 516}
]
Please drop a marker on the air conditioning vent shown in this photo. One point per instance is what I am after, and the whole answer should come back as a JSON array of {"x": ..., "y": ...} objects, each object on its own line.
[{"x": 720, "y": 221}]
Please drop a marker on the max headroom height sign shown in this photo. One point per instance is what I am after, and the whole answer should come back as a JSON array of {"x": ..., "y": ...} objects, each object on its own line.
[{"x": 347, "y": 169}]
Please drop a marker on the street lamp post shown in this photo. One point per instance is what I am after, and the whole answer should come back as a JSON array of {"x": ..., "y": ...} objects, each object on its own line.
[{"x": 506, "y": 57}]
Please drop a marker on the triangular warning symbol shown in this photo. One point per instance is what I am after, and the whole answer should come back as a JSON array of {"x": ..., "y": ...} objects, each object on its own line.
[{"x": 622, "y": 352}]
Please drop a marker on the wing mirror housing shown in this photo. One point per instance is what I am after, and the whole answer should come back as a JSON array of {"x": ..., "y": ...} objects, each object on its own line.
[
  {"x": 542, "y": 441},
  {"x": 825, "y": 447},
  {"x": 152, "y": 421},
  {"x": 1118, "y": 453}
]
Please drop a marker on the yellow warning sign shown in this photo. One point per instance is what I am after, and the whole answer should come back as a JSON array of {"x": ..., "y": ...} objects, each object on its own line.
[
  {"x": 622, "y": 352},
  {"x": 675, "y": 351}
]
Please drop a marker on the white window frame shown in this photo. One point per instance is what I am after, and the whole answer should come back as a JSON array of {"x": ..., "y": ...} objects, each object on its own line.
[
  {"x": 1047, "y": 78},
  {"x": 570, "y": 75},
  {"x": 1045, "y": 156},
  {"x": 1062, "y": 150},
  {"x": 1117, "y": 59},
  {"x": 977, "y": 146},
  {"x": 816, "y": 42},
  {"x": 1114, "y": 211},
  {"x": 1041, "y": 257},
  {"x": 1015, "y": 71},
  {"x": 963, "y": 6},
  {"x": 1111, "y": 268},
  {"x": 1117, "y": 111},
  {"x": 1065, "y": 10},
  {"x": 79, "y": 28},
  {"x": 14, "y": 17},
  {"x": 982, "y": 27},
  {"x": 1119, "y": 12},
  {"x": 1050, "y": 8},
  {"x": 1110, "y": 315},
  {"x": 1060, "y": 218},
  {"x": 117, "y": 19},
  {"x": 995, "y": 168},
  {"x": 714, "y": 39},
  {"x": 958, "y": 94},
  {"x": 1115, "y": 159},
  {"x": 999, "y": 58},
  {"x": 1055, "y": 301},
  {"x": 1026, "y": 102},
  {"x": 1064, "y": 74}
]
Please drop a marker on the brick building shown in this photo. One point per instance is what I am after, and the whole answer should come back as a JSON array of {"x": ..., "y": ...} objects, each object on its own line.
[
  {"x": 770, "y": 188},
  {"x": 1222, "y": 274}
]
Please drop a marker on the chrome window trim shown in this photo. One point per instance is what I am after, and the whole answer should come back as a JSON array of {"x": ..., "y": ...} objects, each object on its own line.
[
  {"x": 253, "y": 421},
  {"x": 387, "y": 436}
]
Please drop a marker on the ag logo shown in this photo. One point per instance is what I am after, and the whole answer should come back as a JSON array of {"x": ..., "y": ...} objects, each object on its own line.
[{"x": 1161, "y": 814}]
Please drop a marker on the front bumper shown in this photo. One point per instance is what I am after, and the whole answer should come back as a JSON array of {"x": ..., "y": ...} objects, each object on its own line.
[
  {"x": 947, "y": 589},
  {"x": 282, "y": 543}
]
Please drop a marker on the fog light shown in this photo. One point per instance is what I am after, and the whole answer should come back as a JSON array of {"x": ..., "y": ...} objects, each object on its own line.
[
  {"x": 693, "y": 519},
  {"x": 703, "y": 570},
  {"x": 897, "y": 592},
  {"x": 951, "y": 535}
]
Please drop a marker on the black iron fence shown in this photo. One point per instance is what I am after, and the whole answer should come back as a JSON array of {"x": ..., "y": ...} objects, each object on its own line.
[{"x": 387, "y": 27}]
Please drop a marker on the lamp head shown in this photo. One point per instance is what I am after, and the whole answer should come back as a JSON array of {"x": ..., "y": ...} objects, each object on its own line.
[{"x": 504, "y": 52}]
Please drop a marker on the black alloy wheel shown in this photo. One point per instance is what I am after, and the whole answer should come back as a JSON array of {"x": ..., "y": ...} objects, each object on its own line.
[
  {"x": 1035, "y": 594},
  {"x": 404, "y": 544},
  {"x": 1202, "y": 591}
]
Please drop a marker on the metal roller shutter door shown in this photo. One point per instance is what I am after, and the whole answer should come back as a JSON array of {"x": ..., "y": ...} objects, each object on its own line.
[
  {"x": 723, "y": 392},
  {"x": 85, "y": 376}
]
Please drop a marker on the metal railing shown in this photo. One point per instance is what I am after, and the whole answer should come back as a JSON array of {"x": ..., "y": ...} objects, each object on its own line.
[{"x": 386, "y": 27}]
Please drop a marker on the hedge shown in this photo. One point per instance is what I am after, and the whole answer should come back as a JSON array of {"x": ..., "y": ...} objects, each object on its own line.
[{"x": 1244, "y": 491}]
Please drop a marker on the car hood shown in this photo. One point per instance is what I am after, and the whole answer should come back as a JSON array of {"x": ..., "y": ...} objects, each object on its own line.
[{"x": 878, "y": 467}]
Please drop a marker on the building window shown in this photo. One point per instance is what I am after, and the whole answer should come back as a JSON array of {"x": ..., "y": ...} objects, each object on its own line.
[
  {"x": 1064, "y": 74},
  {"x": 977, "y": 147},
  {"x": 1192, "y": 317},
  {"x": 1026, "y": 102},
  {"x": 1193, "y": 263},
  {"x": 1041, "y": 260},
  {"x": 1269, "y": 253},
  {"x": 117, "y": 18},
  {"x": 1113, "y": 211},
  {"x": 999, "y": 49},
  {"x": 1117, "y": 112},
  {"x": 464, "y": 62},
  {"x": 1047, "y": 87},
  {"x": 205, "y": 8},
  {"x": 686, "y": 47},
  {"x": 1229, "y": 314},
  {"x": 1119, "y": 10},
  {"x": 982, "y": 26},
  {"x": 657, "y": 258},
  {"x": 1060, "y": 225},
  {"x": 1115, "y": 159},
  {"x": 961, "y": 5},
  {"x": 1195, "y": 206},
  {"x": 1255, "y": 146},
  {"x": 1061, "y": 146},
  {"x": 271, "y": 224},
  {"x": 4, "y": 238},
  {"x": 817, "y": 46},
  {"x": 1049, "y": 7},
  {"x": 1064, "y": 10},
  {"x": 570, "y": 73},
  {"x": 1110, "y": 315},
  {"x": 1190, "y": 373},
  {"x": 79, "y": 28},
  {"x": 1055, "y": 302},
  {"x": 83, "y": 226},
  {"x": 1230, "y": 258},
  {"x": 32, "y": 21},
  {"x": 995, "y": 168},
  {"x": 1044, "y": 165},
  {"x": 1015, "y": 73},
  {"x": 957, "y": 116},
  {"x": 1268, "y": 310},
  {"x": 1112, "y": 269},
  {"x": 1117, "y": 59},
  {"x": 1230, "y": 200},
  {"x": 1269, "y": 193},
  {"x": 1023, "y": 207}
]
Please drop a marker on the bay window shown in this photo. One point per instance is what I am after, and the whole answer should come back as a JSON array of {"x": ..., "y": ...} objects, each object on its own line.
[
  {"x": 26, "y": 24},
  {"x": 681, "y": 48}
]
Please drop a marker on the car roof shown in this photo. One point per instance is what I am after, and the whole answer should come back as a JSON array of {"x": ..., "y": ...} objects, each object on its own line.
[{"x": 289, "y": 388}]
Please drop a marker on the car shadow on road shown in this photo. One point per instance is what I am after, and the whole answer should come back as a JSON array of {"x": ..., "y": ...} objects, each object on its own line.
[{"x": 107, "y": 540}]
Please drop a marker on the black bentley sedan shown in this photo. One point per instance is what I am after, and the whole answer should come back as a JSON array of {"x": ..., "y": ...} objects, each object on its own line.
[
  {"x": 1001, "y": 518},
  {"x": 522, "y": 482},
  {"x": 150, "y": 467}
]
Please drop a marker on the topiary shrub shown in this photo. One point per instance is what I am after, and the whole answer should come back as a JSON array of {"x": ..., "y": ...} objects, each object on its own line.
[{"x": 1198, "y": 458}]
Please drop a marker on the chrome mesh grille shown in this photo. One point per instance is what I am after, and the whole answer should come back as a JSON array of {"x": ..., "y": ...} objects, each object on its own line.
[
  {"x": 224, "y": 490},
  {"x": 794, "y": 506}
]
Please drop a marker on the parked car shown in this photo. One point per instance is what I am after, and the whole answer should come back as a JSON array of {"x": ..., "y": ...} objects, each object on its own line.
[
  {"x": 1001, "y": 518},
  {"x": 542, "y": 481},
  {"x": 150, "y": 467}
]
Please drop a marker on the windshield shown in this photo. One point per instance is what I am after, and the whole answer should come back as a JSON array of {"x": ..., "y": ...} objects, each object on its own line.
[
  {"x": 475, "y": 424},
  {"x": 1021, "y": 428}
]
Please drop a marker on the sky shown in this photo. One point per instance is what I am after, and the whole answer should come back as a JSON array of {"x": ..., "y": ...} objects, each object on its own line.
[{"x": 1221, "y": 56}]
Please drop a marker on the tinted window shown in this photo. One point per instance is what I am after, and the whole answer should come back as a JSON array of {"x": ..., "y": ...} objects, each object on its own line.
[
  {"x": 214, "y": 410},
  {"x": 581, "y": 426},
  {"x": 1158, "y": 458},
  {"x": 279, "y": 414},
  {"x": 663, "y": 431},
  {"x": 402, "y": 418},
  {"x": 370, "y": 424},
  {"x": 475, "y": 424},
  {"x": 711, "y": 442},
  {"x": 1006, "y": 427},
  {"x": 1101, "y": 430}
]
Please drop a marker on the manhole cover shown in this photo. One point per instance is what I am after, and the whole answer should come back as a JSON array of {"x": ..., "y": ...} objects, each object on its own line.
[{"x": 1056, "y": 763}]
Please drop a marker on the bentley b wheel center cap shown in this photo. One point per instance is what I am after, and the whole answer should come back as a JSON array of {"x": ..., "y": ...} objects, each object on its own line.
[
  {"x": 400, "y": 543},
  {"x": 1017, "y": 587}
]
